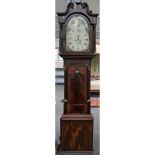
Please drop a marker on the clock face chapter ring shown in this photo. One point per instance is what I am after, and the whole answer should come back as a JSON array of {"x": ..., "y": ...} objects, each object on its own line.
[{"x": 77, "y": 34}]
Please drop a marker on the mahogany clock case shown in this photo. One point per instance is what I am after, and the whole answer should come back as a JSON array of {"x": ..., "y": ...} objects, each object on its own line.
[{"x": 76, "y": 122}]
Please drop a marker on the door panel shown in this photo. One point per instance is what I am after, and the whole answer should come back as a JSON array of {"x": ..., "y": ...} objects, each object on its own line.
[{"x": 77, "y": 88}]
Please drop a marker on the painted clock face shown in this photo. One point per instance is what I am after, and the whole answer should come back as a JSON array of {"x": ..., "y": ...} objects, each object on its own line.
[{"x": 77, "y": 34}]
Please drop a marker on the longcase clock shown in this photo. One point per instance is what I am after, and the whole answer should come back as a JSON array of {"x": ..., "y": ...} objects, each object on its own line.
[{"x": 77, "y": 33}]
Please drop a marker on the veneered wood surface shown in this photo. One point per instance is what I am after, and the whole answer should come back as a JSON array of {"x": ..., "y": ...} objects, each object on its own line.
[{"x": 76, "y": 133}]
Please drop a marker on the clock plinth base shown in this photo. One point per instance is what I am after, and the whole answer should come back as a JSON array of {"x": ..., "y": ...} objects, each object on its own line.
[
  {"x": 76, "y": 152},
  {"x": 76, "y": 133}
]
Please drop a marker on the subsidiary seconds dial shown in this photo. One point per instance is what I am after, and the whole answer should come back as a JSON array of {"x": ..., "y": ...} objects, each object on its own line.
[{"x": 77, "y": 34}]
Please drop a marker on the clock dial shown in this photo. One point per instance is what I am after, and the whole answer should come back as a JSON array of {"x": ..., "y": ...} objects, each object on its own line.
[{"x": 77, "y": 34}]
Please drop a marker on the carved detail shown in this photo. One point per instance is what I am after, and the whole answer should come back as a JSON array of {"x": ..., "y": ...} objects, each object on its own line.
[
  {"x": 85, "y": 5},
  {"x": 80, "y": 5},
  {"x": 70, "y": 5}
]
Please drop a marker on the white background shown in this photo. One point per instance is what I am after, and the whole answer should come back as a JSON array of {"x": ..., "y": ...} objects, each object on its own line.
[{"x": 27, "y": 93}]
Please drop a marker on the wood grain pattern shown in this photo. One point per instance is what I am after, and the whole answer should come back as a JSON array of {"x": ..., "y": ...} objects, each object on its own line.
[
  {"x": 77, "y": 86},
  {"x": 76, "y": 133}
]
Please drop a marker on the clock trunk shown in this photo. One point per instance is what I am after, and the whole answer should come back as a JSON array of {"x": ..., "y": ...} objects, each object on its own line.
[{"x": 77, "y": 86}]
